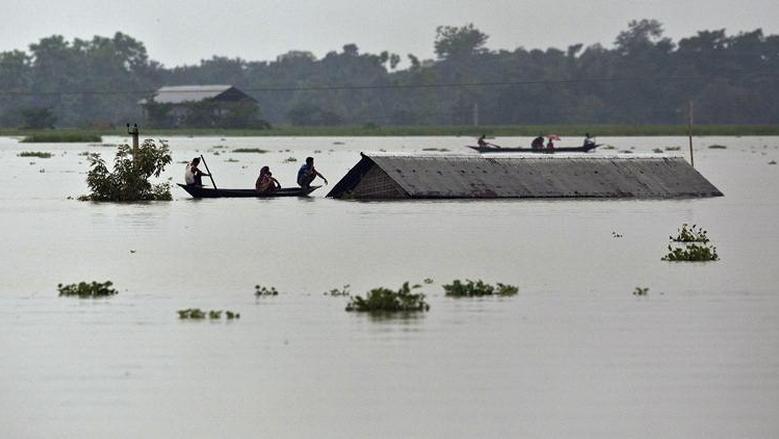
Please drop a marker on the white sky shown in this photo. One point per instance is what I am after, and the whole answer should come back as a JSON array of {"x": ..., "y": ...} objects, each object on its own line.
[{"x": 177, "y": 32}]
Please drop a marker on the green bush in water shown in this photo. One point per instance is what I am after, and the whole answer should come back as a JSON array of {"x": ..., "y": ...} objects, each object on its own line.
[
  {"x": 86, "y": 290},
  {"x": 690, "y": 234},
  {"x": 380, "y": 300},
  {"x": 692, "y": 253},
  {"x": 641, "y": 291},
  {"x": 263, "y": 291},
  {"x": 129, "y": 180},
  {"x": 477, "y": 289}
]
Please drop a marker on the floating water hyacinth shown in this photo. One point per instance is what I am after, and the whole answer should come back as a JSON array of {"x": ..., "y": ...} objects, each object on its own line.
[
  {"x": 86, "y": 290},
  {"x": 263, "y": 291},
  {"x": 478, "y": 288},
  {"x": 384, "y": 300},
  {"x": 641, "y": 291}
]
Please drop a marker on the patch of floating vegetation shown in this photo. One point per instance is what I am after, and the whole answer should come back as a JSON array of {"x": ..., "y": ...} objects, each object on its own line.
[
  {"x": 218, "y": 146},
  {"x": 772, "y": 162},
  {"x": 86, "y": 290},
  {"x": 718, "y": 147},
  {"x": 339, "y": 143},
  {"x": 231, "y": 160},
  {"x": 38, "y": 154},
  {"x": 626, "y": 151},
  {"x": 641, "y": 292},
  {"x": 690, "y": 234},
  {"x": 436, "y": 149},
  {"x": 260, "y": 291},
  {"x": 673, "y": 148},
  {"x": 384, "y": 300},
  {"x": 657, "y": 151},
  {"x": 84, "y": 153},
  {"x": 199, "y": 314},
  {"x": 335, "y": 292},
  {"x": 250, "y": 150},
  {"x": 616, "y": 235},
  {"x": 317, "y": 151},
  {"x": 697, "y": 246},
  {"x": 290, "y": 160},
  {"x": 428, "y": 281},
  {"x": 478, "y": 288},
  {"x": 609, "y": 147},
  {"x": 62, "y": 137}
]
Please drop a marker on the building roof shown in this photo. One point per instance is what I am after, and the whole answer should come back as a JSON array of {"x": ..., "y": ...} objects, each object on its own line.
[
  {"x": 538, "y": 176},
  {"x": 179, "y": 94}
]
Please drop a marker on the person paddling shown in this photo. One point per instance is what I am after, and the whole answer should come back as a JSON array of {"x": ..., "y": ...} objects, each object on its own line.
[
  {"x": 192, "y": 175},
  {"x": 482, "y": 142},
  {"x": 308, "y": 173}
]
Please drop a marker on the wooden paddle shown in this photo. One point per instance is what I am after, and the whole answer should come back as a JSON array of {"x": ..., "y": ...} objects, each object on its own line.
[{"x": 202, "y": 159}]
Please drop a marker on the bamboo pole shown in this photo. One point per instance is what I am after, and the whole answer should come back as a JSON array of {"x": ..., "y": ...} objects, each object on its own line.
[{"x": 689, "y": 133}]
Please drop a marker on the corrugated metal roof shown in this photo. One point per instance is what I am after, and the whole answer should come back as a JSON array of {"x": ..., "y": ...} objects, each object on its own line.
[
  {"x": 188, "y": 93},
  {"x": 469, "y": 176}
]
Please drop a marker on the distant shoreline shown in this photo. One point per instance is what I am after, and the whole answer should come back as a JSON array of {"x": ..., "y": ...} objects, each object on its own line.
[{"x": 409, "y": 131}]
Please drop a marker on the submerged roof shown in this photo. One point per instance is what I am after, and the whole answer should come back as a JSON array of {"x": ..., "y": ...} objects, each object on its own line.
[
  {"x": 553, "y": 176},
  {"x": 179, "y": 94}
]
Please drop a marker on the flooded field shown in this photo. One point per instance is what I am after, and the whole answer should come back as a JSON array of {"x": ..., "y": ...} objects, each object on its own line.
[{"x": 574, "y": 354}]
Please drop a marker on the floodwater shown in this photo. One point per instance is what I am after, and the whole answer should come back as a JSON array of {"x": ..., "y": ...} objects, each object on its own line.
[{"x": 575, "y": 354}]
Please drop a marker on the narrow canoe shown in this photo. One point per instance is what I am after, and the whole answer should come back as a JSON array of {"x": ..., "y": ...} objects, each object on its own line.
[
  {"x": 490, "y": 149},
  {"x": 209, "y": 192}
]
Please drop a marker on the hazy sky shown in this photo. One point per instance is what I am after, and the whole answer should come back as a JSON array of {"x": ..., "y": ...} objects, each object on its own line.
[{"x": 177, "y": 32}]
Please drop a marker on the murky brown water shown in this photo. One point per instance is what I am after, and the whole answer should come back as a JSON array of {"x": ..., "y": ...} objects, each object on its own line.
[{"x": 575, "y": 354}]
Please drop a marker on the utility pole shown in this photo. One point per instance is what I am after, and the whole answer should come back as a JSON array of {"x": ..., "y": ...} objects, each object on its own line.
[
  {"x": 133, "y": 131},
  {"x": 689, "y": 133}
]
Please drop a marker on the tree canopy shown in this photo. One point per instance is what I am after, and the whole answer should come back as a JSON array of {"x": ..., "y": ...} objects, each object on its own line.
[{"x": 644, "y": 78}]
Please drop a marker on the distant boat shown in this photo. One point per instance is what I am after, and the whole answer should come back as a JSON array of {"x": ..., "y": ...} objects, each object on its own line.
[
  {"x": 583, "y": 148},
  {"x": 208, "y": 192}
]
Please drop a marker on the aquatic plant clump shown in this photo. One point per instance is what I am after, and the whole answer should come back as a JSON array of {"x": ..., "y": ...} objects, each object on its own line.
[
  {"x": 260, "y": 291},
  {"x": 62, "y": 137},
  {"x": 692, "y": 253},
  {"x": 129, "y": 180},
  {"x": 718, "y": 147},
  {"x": 86, "y": 290},
  {"x": 250, "y": 150},
  {"x": 38, "y": 154},
  {"x": 479, "y": 288},
  {"x": 199, "y": 314},
  {"x": 690, "y": 234},
  {"x": 335, "y": 292},
  {"x": 384, "y": 300},
  {"x": 641, "y": 291}
]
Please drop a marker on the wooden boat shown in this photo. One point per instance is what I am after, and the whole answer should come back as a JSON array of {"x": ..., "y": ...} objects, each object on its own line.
[
  {"x": 490, "y": 149},
  {"x": 209, "y": 192}
]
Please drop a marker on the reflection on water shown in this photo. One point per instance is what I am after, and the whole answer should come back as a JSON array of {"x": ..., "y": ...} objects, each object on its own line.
[{"x": 575, "y": 354}]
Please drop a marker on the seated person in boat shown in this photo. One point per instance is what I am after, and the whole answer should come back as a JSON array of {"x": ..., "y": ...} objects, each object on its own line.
[
  {"x": 192, "y": 175},
  {"x": 538, "y": 143},
  {"x": 308, "y": 173},
  {"x": 588, "y": 140},
  {"x": 481, "y": 142},
  {"x": 550, "y": 145},
  {"x": 266, "y": 183}
]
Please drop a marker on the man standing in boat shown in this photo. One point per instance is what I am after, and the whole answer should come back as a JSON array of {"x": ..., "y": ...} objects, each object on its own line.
[
  {"x": 192, "y": 175},
  {"x": 308, "y": 173}
]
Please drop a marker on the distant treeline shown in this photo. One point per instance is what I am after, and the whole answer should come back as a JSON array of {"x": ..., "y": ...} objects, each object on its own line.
[{"x": 645, "y": 78}]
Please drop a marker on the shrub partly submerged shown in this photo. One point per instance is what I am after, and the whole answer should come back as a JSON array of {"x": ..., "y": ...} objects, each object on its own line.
[
  {"x": 692, "y": 253},
  {"x": 129, "y": 180},
  {"x": 384, "y": 300},
  {"x": 86, "y": 290},
  {"x": 478, "y": 288},
  {"x": 690, "y": 234}
]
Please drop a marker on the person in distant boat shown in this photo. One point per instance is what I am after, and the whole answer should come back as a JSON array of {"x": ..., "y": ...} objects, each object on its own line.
[
  {"x": 482, "y": 142},
  {"x": 538, "y": 143},
  {"x": 265, "y": 182},
  {"x": 550, "y": 145},
  {"x": 308, "y": 173},
  {"x": 192, "y": 175},
  {"x": 588, "y": 140}
]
